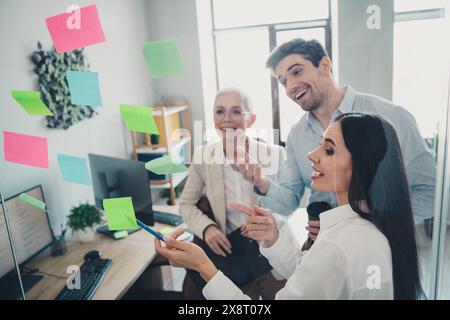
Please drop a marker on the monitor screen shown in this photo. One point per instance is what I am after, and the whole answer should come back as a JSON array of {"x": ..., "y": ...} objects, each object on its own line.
[
  {"x": 115, "y": 177},
  {"x": 30, "y": 229}
]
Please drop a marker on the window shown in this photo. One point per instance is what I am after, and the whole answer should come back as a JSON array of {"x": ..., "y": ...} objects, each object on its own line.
[
  {"x": 241, "y": 63},
  {"x": 419, "y": 79},
  {"x": 245, "y": 32},
  {"x": 238, "y": 13}
]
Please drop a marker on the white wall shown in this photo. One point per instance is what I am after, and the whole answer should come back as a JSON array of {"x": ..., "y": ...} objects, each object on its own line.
[
  {"x": 177, "y": 19},
  {"x": 366, "y": 56},
  {"x": 123, "y": 79}
]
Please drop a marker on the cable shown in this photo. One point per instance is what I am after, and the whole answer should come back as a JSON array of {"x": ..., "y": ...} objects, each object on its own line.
[
  {"x": 52, "y": 275},
  {"x": 28, "y": 270}
]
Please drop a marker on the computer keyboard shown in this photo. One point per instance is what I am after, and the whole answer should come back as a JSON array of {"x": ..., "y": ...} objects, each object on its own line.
[
  {"x": 92, "y": 273},
  {"x": 167, "y": 218}
]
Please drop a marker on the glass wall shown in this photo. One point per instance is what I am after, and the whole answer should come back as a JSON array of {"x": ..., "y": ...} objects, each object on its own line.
[
  {"x": 414, "y": 74},
  {"x": 420, "y": 84}
]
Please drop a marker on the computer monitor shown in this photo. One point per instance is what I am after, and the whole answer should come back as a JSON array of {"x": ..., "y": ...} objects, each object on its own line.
[
  {"x": 31, "y": 234},
  {"x": 115, "y": 178}
]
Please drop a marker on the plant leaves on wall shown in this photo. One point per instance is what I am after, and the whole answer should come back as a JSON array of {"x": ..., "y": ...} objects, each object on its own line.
[{"x": 51, "y": 68}]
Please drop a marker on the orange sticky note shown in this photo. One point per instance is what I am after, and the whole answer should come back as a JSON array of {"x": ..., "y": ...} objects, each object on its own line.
[
  {"x": 25, "y": 149},
  {"x": 68, "y": 36}
]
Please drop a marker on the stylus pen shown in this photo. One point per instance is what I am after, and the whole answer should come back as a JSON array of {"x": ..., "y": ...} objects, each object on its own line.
[{"x": 150, "y": 230}]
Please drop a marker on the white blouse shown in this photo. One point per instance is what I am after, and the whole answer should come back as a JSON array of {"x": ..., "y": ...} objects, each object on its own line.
[{"x": 350, "y": 259}]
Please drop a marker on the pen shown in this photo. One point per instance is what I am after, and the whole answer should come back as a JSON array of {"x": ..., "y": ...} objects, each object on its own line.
[{"x": 150, "y": 230}]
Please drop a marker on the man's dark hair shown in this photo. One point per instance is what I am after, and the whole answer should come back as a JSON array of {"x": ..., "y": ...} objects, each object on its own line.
[{"x": 311, "y": 50}]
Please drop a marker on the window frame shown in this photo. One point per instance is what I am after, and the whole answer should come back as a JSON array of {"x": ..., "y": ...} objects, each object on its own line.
[{"x": 273, "y": 28}]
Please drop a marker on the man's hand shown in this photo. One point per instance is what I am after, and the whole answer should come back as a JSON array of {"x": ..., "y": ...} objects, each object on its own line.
[
  {"x": 313, "y": 228},
  {"x": 260, "y": 225},
  {"x": 217, "y": 240},
  {"x": 251, "y": 171}
]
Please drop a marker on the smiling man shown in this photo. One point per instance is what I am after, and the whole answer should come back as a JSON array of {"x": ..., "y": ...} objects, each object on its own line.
[{"x": 305, "y": 71}]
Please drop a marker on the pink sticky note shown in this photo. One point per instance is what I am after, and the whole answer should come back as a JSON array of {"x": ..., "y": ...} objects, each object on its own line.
[
  {"x": 68, "y": 37},
  {"x": 25, "y": 149}
]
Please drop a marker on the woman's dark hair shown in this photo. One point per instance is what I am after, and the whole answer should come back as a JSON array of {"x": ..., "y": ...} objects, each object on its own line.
[{"x": 379, "y": 192}]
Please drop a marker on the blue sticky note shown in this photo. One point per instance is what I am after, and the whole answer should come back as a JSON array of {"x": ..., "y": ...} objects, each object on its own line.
[
  {"x": 74, "y": 169},
  {"x": 84, "y": 88}
]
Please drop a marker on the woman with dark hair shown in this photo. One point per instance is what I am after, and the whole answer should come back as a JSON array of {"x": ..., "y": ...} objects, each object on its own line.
[{"x": 366, "y": 247}]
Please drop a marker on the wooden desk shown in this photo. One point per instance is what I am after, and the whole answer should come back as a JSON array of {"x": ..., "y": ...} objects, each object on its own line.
[{"x": 130, "y": 257}]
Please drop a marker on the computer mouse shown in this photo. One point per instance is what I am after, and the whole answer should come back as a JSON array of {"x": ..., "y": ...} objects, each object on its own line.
[{"x": 92, "y": 255}]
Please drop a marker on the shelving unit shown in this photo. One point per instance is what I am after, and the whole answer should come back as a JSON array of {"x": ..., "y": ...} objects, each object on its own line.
[{"x": 170, "y": 117}]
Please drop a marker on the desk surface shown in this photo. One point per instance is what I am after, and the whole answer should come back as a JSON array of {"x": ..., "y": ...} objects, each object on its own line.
[{"x": 130, "y": 257}]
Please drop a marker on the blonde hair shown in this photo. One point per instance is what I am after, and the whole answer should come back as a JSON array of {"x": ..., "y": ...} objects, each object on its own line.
[{"x": 244, "y": 96}]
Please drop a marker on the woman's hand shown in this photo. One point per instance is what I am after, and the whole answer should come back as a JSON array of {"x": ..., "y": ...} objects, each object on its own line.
[
  {"x": 217, "y": 240},
  {"x": 186, "y": 255},
  {"x": 261, "y": 224}
]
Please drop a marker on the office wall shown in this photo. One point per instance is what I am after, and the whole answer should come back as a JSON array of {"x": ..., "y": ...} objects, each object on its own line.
[
  {"x": 177, "y": 19},
  {"x": 123, "y": 79},
  {"x": 366, "y": 56}
]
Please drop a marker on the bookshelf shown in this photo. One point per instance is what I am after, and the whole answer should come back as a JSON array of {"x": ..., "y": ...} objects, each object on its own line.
[{"x": 169, "y": 118}]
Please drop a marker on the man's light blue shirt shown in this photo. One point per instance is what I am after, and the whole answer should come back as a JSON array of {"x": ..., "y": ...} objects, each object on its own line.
[{"x": 306, "y": 135}]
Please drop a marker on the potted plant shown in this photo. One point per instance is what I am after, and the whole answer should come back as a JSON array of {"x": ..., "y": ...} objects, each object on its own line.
[{"x": 82, "y": 220}]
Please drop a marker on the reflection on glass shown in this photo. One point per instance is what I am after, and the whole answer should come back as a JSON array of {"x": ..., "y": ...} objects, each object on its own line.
[{"x": 419, "y": 79}]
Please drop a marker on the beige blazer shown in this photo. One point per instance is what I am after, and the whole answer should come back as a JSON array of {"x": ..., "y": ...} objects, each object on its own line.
[{"x": 206, "y": 176}]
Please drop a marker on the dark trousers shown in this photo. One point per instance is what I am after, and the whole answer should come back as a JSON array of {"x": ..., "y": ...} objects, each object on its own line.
[{"x": 244, "y": 265}]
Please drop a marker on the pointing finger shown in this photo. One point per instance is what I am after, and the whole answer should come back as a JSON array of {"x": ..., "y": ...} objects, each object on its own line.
[{"x": 241, "y": 208}]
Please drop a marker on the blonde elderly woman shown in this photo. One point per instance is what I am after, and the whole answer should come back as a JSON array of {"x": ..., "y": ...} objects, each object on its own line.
[{"x": 211, "y": 174}]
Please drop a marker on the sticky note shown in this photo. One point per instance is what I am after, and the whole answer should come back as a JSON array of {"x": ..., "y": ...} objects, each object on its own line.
[
  {"x": 84, "y": 88},
  {"x": 32, "y": 201},
  {"x": 139, "y": 118},
  {"x": 31, "y": 102},
  {"x": 74, "y": 169},
  {"x": 25, "y": 149},
  {"x": 120, "y": 213},
  {"x": 163, "y": 58},
  {"x": 120, "y": 234},
  {"x": 164, "y": 165},
  {"x": 67, "y": 36}
]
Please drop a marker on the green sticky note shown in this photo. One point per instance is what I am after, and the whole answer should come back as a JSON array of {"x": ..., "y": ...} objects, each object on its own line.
[
  {"x": 139, "y": 118},
  {"x": 120, "y": 213},
  {"x": 32, "y": 201},
  {"x": 31, "y": 102},
  {"x": 163, "y": 58},
  {"x": 164, "y": 165},
  {"x": 120, "y": 234}
]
